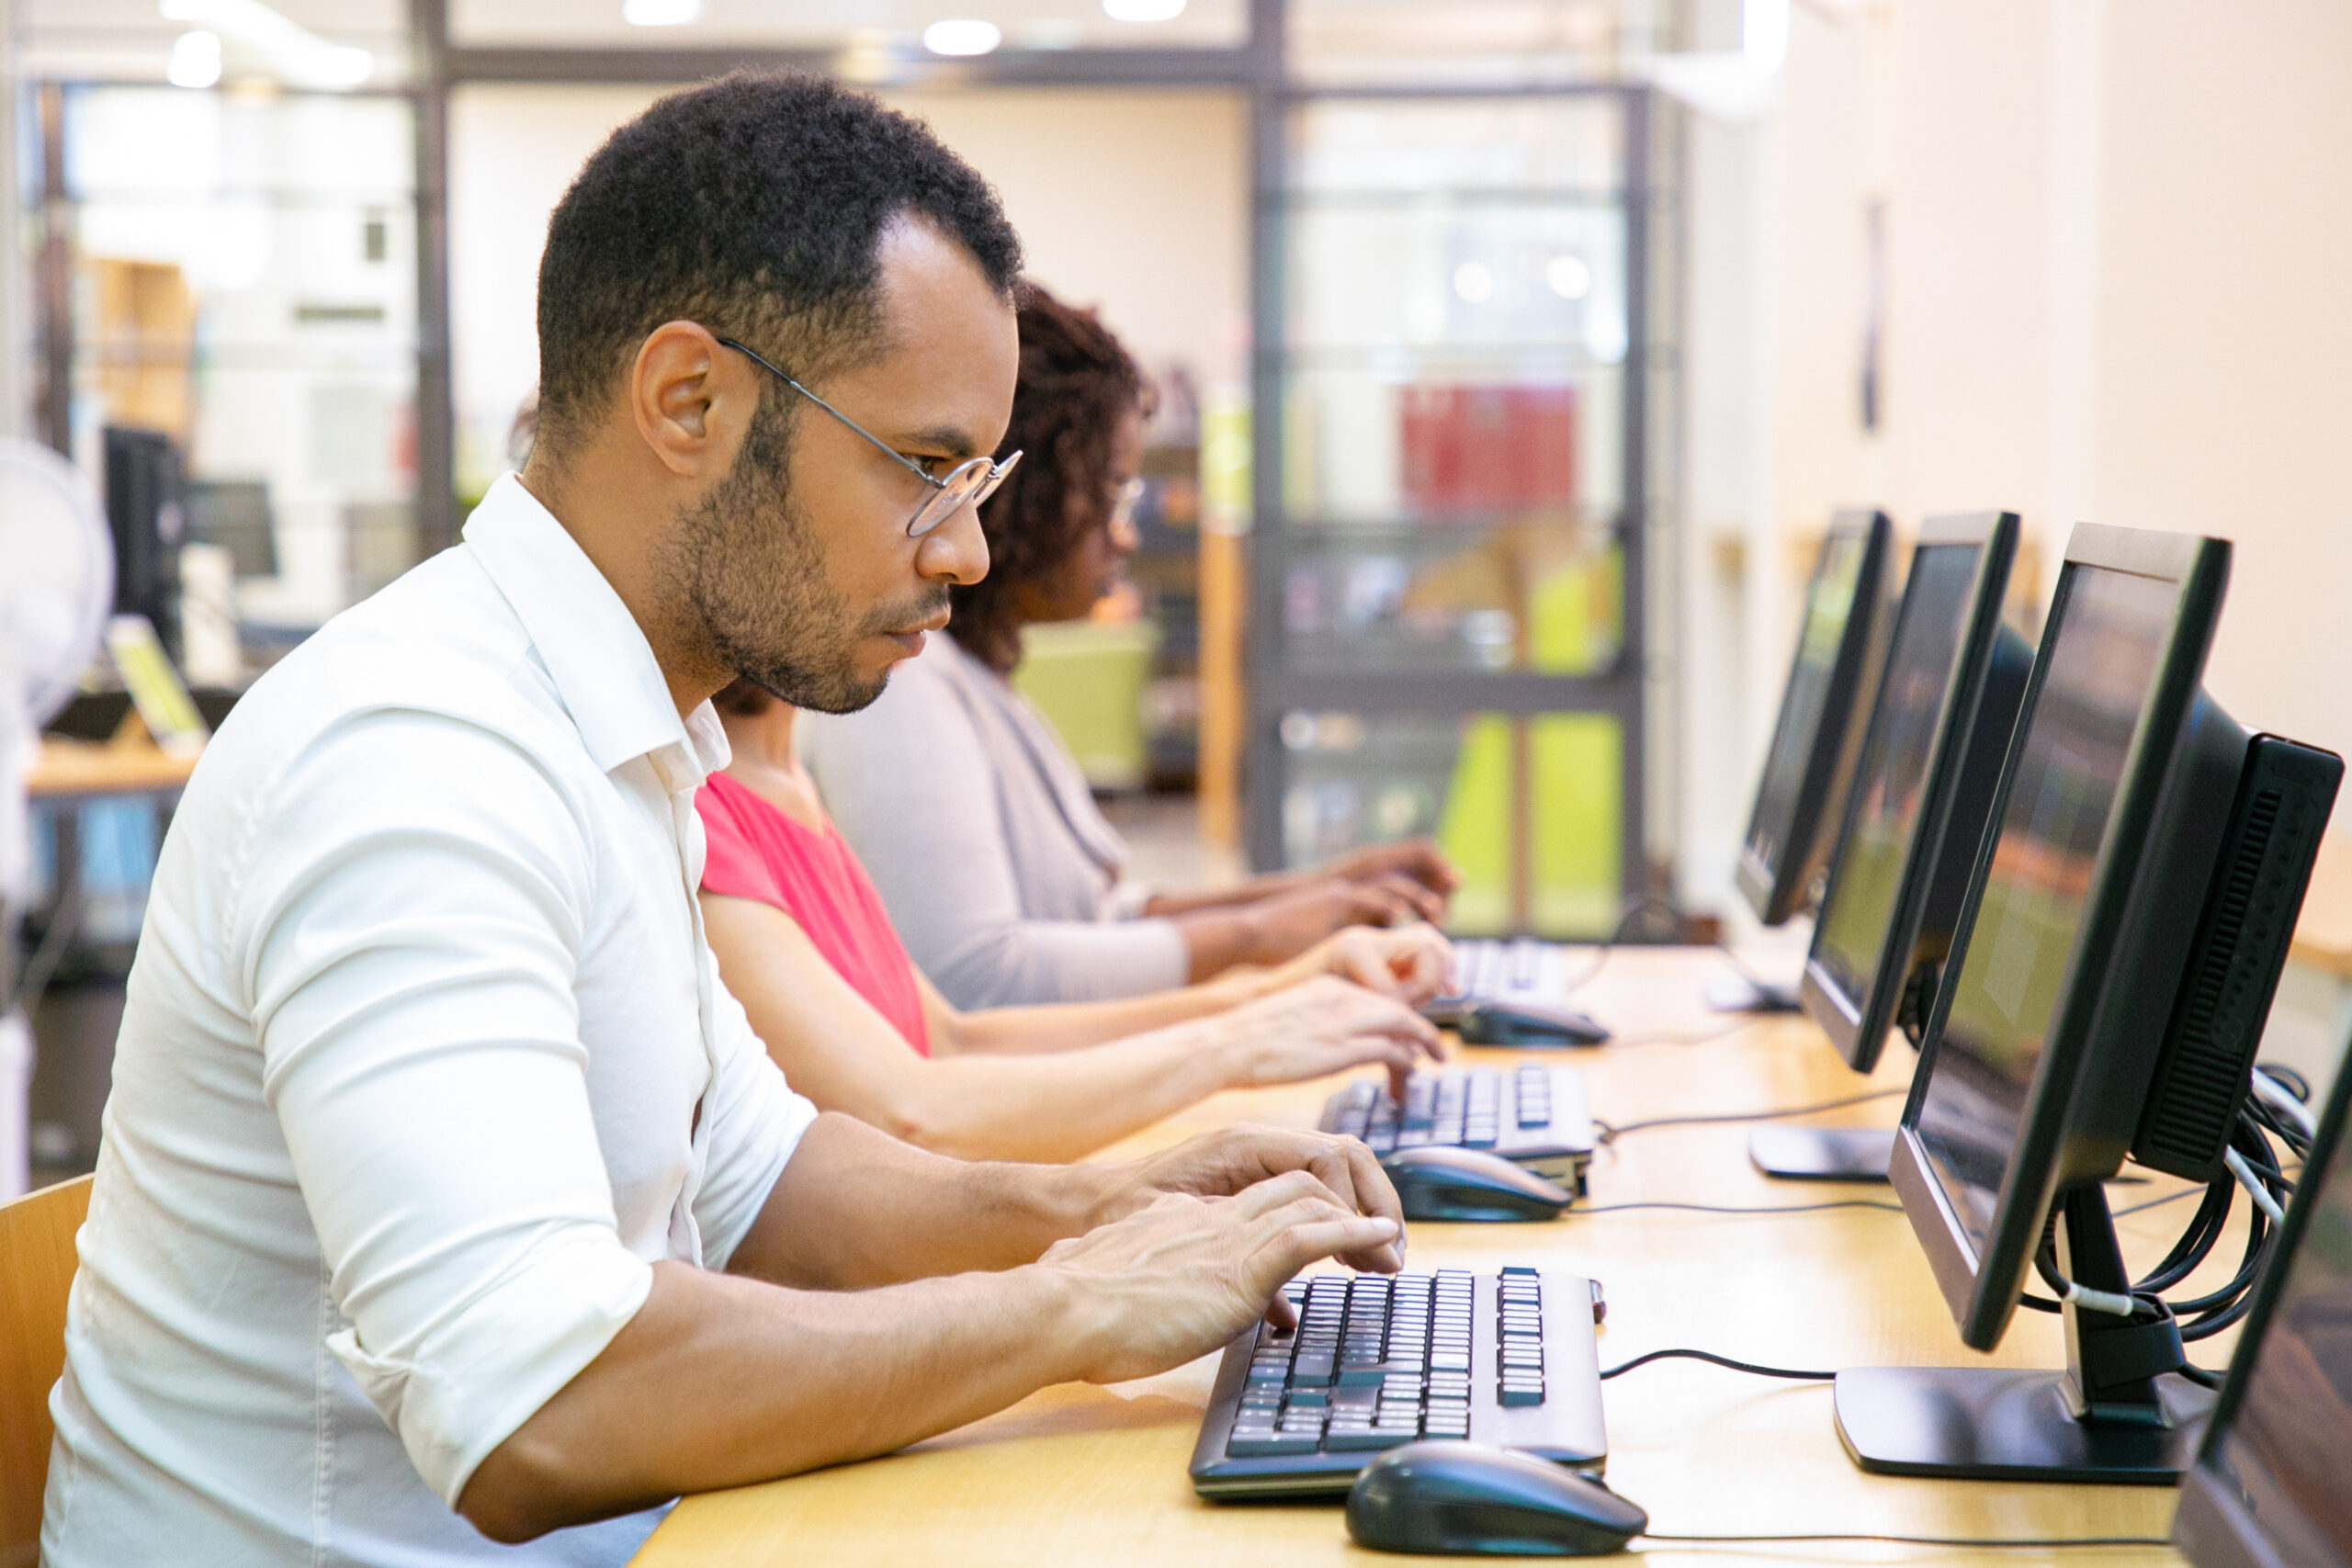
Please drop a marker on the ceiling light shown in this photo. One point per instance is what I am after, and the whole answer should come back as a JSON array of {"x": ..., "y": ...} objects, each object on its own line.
[
  {"x": 1570, "y": 277},
  {"x": 659, "y": 13},
  {"x": 299, "y": 55},
  {"x": 1143, "y": 10},
  {"x": 196, "y": 61},
  {"x": 961, "y": 35},
  {"x": 1474, "y": 282}
]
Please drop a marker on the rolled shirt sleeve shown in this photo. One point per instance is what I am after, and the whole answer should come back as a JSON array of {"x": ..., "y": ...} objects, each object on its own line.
[{"x": 409, "y": 957}]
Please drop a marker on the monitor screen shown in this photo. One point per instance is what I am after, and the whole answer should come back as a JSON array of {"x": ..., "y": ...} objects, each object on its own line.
[
  {"x": 2286, "y": 1451},
  {"x": 2103, "y": 662},
  {"x": 1892, "y": 779},
  {"x": 1828, "y": 601}
]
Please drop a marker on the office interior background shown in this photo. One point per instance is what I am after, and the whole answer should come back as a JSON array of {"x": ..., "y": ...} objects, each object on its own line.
[{"x": 1512, "y": 355}]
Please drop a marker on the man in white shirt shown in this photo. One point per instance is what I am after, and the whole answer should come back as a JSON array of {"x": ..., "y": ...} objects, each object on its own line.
[{"x": 445, "y": 1197}]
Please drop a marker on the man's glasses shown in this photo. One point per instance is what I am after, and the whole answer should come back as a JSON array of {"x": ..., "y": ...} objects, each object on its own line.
[{"x": 969, "y": 484}]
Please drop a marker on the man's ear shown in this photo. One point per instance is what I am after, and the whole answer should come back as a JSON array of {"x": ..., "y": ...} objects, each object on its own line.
[{"x": 692, "y": 400}]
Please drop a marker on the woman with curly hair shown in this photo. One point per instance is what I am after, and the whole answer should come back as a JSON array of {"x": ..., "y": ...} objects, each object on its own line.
[{"x": 1005, "y": 881}]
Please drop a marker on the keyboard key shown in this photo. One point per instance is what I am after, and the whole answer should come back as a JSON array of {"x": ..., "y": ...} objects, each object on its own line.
[
  {"x": 1367, "y": 1439},
  {"x": 1518, "y": 1397},
  {"x": 1270, "y": 1444}
]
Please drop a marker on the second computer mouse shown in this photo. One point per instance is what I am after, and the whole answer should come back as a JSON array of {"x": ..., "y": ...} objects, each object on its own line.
[
  {"x": 1524, "y": 1023},
  {"x": 1439, "y": 1181},
  {"x": 1461, "y": 1498}
]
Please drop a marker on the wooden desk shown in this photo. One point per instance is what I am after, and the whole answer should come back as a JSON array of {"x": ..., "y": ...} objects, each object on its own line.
[
  {"x": 1091, "y": 1476},
  {"x": 66, "y": 768}
]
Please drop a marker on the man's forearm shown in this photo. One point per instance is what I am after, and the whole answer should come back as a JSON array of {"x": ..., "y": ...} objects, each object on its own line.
[
  {"x": 856, "y": 1208},
  {"x": 721, "y": 1382}
]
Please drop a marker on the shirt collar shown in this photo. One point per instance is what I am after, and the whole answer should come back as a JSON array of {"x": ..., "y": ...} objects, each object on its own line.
[{"x": 594, "y": 649}]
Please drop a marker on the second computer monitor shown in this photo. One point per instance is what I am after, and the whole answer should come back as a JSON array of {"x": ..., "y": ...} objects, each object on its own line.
[
  {"x": 1930, "y": 761},
  {"x": 1802, "y": 795}
]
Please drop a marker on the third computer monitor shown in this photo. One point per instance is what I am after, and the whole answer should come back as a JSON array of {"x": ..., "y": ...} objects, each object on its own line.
[
  {"x": 1923, "y": 784},
  {"x": 2120, "y": 943},
  {"x": 1802, "y": 795},
  {"x": 1916, "y": 814}
]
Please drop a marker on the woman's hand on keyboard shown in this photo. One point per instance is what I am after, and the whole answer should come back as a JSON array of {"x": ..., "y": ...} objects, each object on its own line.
[
  {"x": 1183, "y": 1275},
  {"x": 1411, "y": 963},
  {"x": 1318, "y": 1027}
]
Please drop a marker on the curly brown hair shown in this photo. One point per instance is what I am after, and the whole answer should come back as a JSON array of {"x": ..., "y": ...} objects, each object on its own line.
[{"x": 1076, "y": 381}]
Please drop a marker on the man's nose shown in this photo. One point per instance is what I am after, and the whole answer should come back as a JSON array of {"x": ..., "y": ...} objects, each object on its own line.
[{"x": 955, "y": 552}]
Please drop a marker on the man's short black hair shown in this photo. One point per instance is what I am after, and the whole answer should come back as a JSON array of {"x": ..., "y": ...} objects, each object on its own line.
[{"x": 754, "y": 205}]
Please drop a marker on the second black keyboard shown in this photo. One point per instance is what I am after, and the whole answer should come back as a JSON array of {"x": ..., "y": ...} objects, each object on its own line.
[{"x": 1532, "y": 1114}]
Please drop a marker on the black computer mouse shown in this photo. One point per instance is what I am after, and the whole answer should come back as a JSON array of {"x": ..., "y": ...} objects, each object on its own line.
[
  {"x": 1438, "y": 1181},
  {"x": 1522, "y": 1023},
  {"x": 1468, "y": 1499}
]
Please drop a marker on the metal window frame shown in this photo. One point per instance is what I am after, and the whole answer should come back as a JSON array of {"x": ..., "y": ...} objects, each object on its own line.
[
  {"x": 1621, "y": 690},
  {"x": 1258, "y": 68}
]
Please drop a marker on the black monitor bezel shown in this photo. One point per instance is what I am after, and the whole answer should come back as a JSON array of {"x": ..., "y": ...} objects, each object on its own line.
[
  {"x": 1858, "y": 1028},
  {"x": 1982, "y": 1292},
  {"x": 2205, "y": 1492},
  {"x": 1773, "y": 891}
]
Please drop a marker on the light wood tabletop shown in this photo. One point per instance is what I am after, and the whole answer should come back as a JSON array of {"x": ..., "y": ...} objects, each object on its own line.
[
  {"x": 63, "y": 768},
  {"x": 1082, "y": 1474}
]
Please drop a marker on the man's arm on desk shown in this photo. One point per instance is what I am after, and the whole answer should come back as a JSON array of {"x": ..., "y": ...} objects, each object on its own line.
[{"x": 822, "y": 1347}]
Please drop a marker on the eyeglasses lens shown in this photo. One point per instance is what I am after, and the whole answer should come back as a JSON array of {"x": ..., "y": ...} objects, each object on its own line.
[{"x": 969, "y": 485}]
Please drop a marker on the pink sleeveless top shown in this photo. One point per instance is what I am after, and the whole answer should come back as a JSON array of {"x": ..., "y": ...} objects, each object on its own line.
[{"x": 757, "y": 851}]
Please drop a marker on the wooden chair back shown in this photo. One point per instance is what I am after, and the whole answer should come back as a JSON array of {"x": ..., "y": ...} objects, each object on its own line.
[{"x": 36, "y": 1263}]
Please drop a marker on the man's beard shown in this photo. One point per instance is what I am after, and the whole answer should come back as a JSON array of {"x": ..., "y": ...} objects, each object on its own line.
[{"x": 751, "y": 573}]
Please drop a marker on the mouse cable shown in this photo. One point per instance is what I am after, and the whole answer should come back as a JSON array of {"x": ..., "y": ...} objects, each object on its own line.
[
  {"x": 1610, "y": 1134},
  {"x": 1765, "y": 1209},
  {"x": 1713, "y": 1359},
  {"x": 2018, "y": 1542},
  {"x": 1636, "y": 909},
  {"x": 1692, "y": 1037}
]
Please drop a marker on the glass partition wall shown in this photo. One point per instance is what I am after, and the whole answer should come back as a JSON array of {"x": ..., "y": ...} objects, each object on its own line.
[{"x": 1448, "y": 618}]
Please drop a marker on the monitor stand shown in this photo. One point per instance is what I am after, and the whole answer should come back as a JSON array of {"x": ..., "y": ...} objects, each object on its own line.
[
  {"x": 1822, "y": 1153},
  {"x": 2120, "y": 1413}
]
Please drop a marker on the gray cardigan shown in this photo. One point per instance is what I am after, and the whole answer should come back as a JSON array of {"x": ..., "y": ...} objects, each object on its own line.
[{"x": 1001, "y": 875}]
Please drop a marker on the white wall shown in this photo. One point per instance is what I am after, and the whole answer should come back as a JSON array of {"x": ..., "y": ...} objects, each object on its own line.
[
  {"x": 2118, "y": 289},
  {"x": 1136, "y": 202}
]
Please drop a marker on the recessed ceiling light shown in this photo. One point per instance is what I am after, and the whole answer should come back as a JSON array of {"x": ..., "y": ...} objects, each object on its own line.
[
  {"x": 961, "y": 35},
  {"x": 659, "y": 13},
  {"x": 1570, "y": 277},
  {"x": 1474, "y": 282},
  {"x": 196, "y": 61},
  {"x": 1143, "y": 10}
]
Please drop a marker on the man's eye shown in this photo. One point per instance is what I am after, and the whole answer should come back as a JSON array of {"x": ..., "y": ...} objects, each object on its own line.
[{"x": 937, "y": 468}]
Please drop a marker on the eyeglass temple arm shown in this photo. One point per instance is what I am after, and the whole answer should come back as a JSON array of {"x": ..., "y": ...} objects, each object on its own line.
[{"x": 874, "y": 441}]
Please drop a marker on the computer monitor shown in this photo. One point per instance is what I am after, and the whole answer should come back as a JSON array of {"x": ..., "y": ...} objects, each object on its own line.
[
  {"x": 1802, "y": 794},
  {"x": 1922, "y": 790},
  {"x": 2121, "y": 938},
  {"x": 146, "y": 508},
  {"x": 2268, "y": 1487}
]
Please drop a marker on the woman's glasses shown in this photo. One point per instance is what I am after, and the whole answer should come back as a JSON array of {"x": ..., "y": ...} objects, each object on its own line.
[{"x": 969, "y": 484}]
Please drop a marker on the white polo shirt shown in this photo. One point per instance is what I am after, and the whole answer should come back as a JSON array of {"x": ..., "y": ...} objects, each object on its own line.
[{"x": 424, "y": 1063}]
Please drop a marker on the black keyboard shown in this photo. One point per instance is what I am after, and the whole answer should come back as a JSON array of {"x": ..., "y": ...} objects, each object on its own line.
[
  {"x": 1377, "y": 1361},
  {"x": 1532, "y": 1114}
]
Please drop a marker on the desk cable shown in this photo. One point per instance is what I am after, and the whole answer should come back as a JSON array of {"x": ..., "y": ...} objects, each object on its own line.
[
  {"x": 1609, "y": 1134},
  {"x": 2018, "y": 1542}
]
